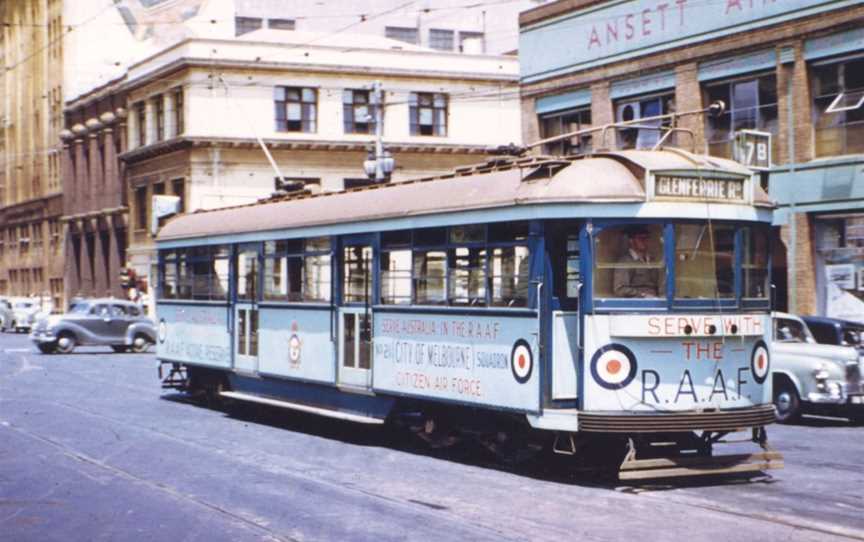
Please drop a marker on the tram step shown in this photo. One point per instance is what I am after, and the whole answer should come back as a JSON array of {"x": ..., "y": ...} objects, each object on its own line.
[
  {"x": 347, "y": 416},
  {"x": 641, "y": 469}
]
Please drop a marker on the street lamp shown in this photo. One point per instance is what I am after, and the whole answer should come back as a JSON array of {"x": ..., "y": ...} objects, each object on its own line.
[{"x": 379, "y": 168}]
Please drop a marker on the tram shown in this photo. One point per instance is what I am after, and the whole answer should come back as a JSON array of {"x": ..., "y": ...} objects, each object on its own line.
[{"x": 615, "y": 304}]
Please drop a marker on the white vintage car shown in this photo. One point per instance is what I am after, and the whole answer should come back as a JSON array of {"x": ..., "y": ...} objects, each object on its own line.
[{"x": 813, "y": 378}]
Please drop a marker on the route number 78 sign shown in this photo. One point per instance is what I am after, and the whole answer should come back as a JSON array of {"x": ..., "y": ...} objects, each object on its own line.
[{"x": 752, "y": 149}]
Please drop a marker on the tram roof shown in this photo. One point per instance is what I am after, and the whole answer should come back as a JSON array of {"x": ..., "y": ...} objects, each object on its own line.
[{"x": 496, "y": 184}]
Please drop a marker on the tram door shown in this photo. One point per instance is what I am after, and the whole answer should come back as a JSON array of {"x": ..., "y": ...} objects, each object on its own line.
[
  {"x": 355, "y": 314},
  {"x": 246, "y": 286}
]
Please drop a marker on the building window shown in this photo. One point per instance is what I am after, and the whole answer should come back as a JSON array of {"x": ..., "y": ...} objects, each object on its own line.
[
  {"x": 159, "y": 107},
  {"x": 178, "y": 188},
  {"x": 640, "y": 108},
  {"x": 401, "y": 33},
  {"x": 296, "y": 109},
  {"x": 472, "y": 43},
  {"x": 179, "y": 125},
  {"x": 428, "y": 113},
  {"x": 358, "y": 112},
  {"x": 281, "y": 24},
  {"x": 563, "y": 123},
  {"x": 141, "y": 119},
  {"x": 244, "y": 25},
  {"x": 838, "y": 88},
  {"x": 441, "y": 39},
  {"x": 141, "y": 208},
  {"x": 751, "y": 104}
]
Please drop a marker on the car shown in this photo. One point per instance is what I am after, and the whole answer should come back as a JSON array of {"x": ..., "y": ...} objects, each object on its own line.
[
  {"x": 836, "y": 331},
  {"x": 7, "y": 315},
  {"x": 25, "y": 311},
  {"x": 112, "y": 322},
  {"x": 809, "y": 377}
]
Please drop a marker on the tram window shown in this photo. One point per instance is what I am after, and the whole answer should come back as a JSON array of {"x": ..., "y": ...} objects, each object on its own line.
[
  {"x": 357, "y": 276},
  {"x": 508, "y": 232},
  {"x": 430, "y": 237},
  {"x": 755, "y": 261},
  {"x": 394, "y": 239},
  {"x": 283, "y": 263},
  {"x": 573, "y": 277},
  {"x": 169, "y": 276},
  {"x": 396, "y": 277},
  {"x": 629, "y": 262},
  {"x": 429, "y": 276},
  {"x": 508, "y": 275},
  {"x": 184, "y": 277},
  {"x": 316, "y": 269},
  {"x": 475, "y": 233},
  {"x": 467, "y": 276},
  {"x": 704, "y": 261}
]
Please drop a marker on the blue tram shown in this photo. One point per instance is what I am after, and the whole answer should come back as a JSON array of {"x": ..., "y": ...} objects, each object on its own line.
[{"x": 620, "y": 298}]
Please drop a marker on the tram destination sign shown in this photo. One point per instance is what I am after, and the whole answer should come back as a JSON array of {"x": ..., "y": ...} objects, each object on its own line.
[{"x": 700, "y": 188}]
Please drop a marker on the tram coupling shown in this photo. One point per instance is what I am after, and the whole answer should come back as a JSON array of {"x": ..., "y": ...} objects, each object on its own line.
[
  {"x": 176, "y": 377},
  {"x": 699, "y": 461}
]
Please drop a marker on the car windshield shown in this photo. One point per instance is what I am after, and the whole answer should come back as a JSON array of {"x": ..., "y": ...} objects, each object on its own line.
[{"x": 792, "y": 331}]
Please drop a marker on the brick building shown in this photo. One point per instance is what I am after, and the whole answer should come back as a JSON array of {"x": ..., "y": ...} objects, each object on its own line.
[
  {"x": 94, "y": 203},
  {"x": 794, "y": 69},
  {"x": 31, "y": 117}
]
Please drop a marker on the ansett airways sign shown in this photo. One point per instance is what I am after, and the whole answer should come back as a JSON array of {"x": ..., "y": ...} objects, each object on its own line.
[{"x": 616, "y": 30}]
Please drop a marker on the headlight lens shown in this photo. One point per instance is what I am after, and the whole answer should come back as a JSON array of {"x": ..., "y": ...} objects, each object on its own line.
[{"x": 820, "y": 374}]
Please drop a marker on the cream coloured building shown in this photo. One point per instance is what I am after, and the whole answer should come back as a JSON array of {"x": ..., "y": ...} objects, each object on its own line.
[{"x": 197, "y": 109}]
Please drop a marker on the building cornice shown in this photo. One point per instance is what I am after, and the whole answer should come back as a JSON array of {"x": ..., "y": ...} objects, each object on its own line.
[{"x": 184, "y": 142}]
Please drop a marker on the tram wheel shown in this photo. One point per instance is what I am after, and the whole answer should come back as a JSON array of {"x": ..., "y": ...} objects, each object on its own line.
[
  {"x": 786, "y": 401},
  {"x": 66, "y": 343}
]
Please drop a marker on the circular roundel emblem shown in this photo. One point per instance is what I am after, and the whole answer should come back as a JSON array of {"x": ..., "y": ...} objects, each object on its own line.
[
  {"x": 294, "y": 349},
  {"x": 613, "y": 366},
  {"x": 163, "y": 330},
  {"x": 521, "y": 361},
  {"x": 759, "y": 362}
]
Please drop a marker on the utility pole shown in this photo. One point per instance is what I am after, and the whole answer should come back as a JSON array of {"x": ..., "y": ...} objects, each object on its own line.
[{"x": 380, "y": 166}]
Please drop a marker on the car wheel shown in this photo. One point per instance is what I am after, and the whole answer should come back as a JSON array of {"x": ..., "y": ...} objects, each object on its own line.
[
  {"x": 786, "y": 401},
  {"x": 47, "y": 348},
  {"x": 120, "y": 348},
  {"x": 66, "y": 343},
  {"x": 140, "y": 344}
]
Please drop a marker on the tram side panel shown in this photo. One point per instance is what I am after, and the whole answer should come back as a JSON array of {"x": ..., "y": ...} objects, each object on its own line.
[
  {"x": 479, "y": 360},
  {"x": 194, "y": 334},
  {"x": 676, "y": 363},
  {"x": 297, "y": 343}
]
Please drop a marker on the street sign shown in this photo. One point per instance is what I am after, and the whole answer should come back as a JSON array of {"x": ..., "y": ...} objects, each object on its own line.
[{"x": 752, "y": 149}]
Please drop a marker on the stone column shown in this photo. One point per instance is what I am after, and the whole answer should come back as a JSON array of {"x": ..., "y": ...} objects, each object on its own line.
[
  {"x": 86, "y": 278},
  {"x": 110, "y": 194},
  {"x": 71, "y": 278},
  {"x": 168, "y": 110},
  {"x": 100, "y": 279},
  {"x": 115, "y": 259},
  {"x": 796, "y": 115},
  {"x": 688, "y": 97},
  {"x": 67, "y": 172},
  {"x": 81, "y": 173},
  {"x": 602, "y": 113},
  {"x": 97, "y": 184},
  {"x": 150, "y": 121}
]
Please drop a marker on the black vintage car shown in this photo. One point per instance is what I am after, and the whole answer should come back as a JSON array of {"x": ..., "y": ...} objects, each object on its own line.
[
  {"x": 836, "y": 331},
  {"x": 117, "y": 323}
]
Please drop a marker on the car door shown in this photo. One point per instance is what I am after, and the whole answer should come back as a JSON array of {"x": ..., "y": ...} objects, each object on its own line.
[
  {"x": 97, "y": 324},
  {"x": 119, "y": 323}
]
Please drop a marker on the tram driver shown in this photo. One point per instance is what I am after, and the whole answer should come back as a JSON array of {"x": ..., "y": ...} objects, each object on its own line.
[{"x": 637, "y": 273}]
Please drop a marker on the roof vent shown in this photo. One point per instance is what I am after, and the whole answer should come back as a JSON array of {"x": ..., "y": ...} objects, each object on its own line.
[{"x": 546, "y": 170}]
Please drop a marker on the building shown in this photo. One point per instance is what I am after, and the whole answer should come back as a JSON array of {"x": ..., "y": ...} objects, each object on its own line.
[
  {"x": 198, "y": 109},
  {"x": 793, "y": 69},
  {"x": 31, "y": 117}
]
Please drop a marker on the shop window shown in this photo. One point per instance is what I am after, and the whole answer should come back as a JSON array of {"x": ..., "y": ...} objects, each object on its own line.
[
  {"x": 296, "y": 109},
  {"x": 401, "y": 33},
  {"x": 428, "y": 114},
  {"x": 563, "y": 123},
  {"x": 838, "y": 107},
  {"x": 141, "y": 208},
  {"x": 751, "y": 104},
  {"x": 648, "y": 133},
  {"x": 141, "y": 119},
  {"x": 358, "y": 112}
]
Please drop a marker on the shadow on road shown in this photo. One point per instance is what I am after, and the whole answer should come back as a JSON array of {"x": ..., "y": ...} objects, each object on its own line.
[{"x": 545, "y": 466}]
